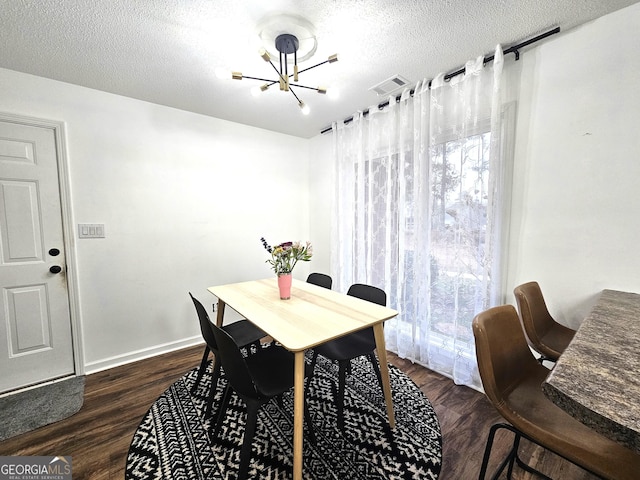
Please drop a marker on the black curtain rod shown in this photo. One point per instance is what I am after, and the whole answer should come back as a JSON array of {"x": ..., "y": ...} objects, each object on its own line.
[{"x": 515, "y": 49}]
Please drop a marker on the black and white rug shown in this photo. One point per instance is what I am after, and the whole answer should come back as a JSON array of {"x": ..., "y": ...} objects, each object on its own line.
[{"x": 172, "y": 441}]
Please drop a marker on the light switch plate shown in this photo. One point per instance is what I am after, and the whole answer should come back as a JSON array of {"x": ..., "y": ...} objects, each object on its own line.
[{"x": 91, "y": 230}]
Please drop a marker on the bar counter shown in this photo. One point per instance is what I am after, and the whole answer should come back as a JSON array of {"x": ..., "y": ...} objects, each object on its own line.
[{"x": 597, "y": 378}]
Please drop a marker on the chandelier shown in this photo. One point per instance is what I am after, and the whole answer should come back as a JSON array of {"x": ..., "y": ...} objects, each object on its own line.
[
  {"x": 286, "y": 32},
  {"x": 287, "y": 44}
]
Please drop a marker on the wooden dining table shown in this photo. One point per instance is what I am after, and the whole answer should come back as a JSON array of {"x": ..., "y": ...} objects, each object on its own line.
[
  {"x": 313, "y": 315},
  {"x": 597, "y": 378}
]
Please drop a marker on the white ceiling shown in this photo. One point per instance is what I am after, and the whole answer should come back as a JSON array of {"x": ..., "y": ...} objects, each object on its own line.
[{"x": 166, "y": 51}]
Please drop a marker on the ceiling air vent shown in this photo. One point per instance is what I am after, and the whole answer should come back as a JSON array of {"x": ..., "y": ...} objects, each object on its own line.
[{"x": 390, "y": 85}]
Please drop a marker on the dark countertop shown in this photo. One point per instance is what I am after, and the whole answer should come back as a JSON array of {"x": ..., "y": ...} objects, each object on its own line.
[{"x": 597, "y": 378}]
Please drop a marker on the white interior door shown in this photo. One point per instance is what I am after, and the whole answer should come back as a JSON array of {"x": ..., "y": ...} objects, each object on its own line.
[{"x": 35, "y": 324}]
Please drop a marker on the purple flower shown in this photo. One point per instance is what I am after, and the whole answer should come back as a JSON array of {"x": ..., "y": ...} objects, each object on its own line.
[
  {"x": 266, "y": 246},
  {"x": 285, "y": 256}
]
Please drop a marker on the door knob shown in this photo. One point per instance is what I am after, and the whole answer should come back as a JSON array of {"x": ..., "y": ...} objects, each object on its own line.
[
  {"x": 55, "y": 269},
  {"x": 54, "y": 252}
]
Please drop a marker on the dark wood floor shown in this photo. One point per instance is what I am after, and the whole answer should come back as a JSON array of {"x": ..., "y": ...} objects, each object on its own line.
[{"x": 98, "y": 436}]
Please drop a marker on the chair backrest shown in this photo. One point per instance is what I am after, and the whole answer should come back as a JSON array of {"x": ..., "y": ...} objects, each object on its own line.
[
  {"x": 534, "y": 315},
  {"x": 504, "y": 359},
  {"x": 205, "y": 324},
  {"x": 235, "y": 367},
  {"x": 368, "y": 293},
  {"x": 320, "y": 279}
]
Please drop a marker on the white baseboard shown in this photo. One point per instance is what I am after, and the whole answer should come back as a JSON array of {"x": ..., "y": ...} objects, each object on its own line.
[{"x": 119, "y": 360}]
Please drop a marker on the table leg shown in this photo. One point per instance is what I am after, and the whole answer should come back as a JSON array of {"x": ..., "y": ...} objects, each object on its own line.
[
  {"x": 378, "y": 331},
  {"x": 220, "y": 316},
  {"x": 298, "y": 414}
]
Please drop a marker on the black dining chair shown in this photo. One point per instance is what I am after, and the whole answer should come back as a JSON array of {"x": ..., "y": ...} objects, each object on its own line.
[
  {"x": 243, "y": 332},
  {"x": 349, "y": 347},
  {"x": 320, "y": 279},
  {"x": 256, "y": 379}
]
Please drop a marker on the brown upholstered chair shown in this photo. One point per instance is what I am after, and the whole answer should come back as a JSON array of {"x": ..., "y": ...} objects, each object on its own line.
[
  {"x": 512, "y": 380},
  {"x": 546, "y": 336}
]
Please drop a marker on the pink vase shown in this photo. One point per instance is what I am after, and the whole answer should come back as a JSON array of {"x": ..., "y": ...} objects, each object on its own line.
[{"x": 284, "y": 285}]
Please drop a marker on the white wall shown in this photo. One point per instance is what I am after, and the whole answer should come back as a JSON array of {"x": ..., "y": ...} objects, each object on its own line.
[
  {"x": 576, "y": 201},
  {"x": 184, "y": 198},
  {"x": 576, "y": 215},
  {"x": 320, "y": 200}
]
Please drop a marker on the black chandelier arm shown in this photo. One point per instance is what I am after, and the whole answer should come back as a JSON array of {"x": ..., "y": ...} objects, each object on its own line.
[
  {"x": 294, "y": 94},
  {"x": 314, "y": 66},
  {"x": 303, "y": 86},
  {"x": 271, "y": 82},
  {"x": 331, "y": 59}
]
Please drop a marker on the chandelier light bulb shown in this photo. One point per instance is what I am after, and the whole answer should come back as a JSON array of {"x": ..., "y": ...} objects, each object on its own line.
[
  {"x": 222, "y": 73},
  {"x": 305, "y": 108},
  {"x": 256, "y": 91},
  {"x": 333, "y": 93}
]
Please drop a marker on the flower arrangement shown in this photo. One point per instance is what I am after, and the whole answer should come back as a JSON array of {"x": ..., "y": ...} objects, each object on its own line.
[{"x": 285, "y": 256}]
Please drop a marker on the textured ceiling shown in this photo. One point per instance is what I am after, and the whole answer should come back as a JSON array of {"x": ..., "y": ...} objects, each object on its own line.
[{"x": 167, "y": 51}]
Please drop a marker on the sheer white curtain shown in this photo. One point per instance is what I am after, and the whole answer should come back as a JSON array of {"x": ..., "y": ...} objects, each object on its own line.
[{"x": 418, "y": 210}]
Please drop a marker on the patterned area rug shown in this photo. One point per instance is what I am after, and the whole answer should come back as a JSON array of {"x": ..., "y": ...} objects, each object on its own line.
[{"x": 172, "y": 441}]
